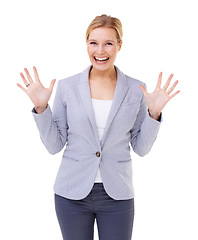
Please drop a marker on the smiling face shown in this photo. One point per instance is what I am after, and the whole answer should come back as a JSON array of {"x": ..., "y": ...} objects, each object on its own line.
[{"x": 102, "y": 48}]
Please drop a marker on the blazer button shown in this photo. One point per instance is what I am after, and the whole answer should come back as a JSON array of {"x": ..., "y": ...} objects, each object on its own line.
[{"x": 98, "y": 154}]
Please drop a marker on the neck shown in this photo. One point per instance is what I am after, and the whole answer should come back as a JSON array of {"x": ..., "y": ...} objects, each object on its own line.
[{"x": 109, "y": 74}]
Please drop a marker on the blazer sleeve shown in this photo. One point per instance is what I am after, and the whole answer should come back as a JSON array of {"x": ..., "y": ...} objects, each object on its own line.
[
  {"x": 53, "y": 126},
  {"x": 144, "y": 131}
]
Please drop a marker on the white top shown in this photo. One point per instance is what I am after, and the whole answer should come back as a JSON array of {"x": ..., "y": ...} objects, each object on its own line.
[{"x": 101, "y": 109}]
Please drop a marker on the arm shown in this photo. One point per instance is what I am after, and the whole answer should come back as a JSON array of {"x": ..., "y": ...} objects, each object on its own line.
[
  {"x": 53, "y": 126},
  {"x": 144, "y": 131},
  {"x": 147, "y": 123}
]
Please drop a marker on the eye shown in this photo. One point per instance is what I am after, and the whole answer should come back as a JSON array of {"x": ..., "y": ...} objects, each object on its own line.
[
  {"x": 109, "y": 43},
  {"x": 92, "y": 43}
]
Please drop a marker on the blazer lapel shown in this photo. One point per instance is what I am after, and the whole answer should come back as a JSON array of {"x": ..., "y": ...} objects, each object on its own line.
[
  {"x": 85, "y": 93},
  {"x": 119, "y": 95}
]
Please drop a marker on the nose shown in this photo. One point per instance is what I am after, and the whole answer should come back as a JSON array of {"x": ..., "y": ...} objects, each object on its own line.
[{"x": 100, "y": 49}]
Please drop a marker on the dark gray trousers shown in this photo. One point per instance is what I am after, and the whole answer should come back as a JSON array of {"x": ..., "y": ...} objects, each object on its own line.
[{"x": 114, "y": 217}]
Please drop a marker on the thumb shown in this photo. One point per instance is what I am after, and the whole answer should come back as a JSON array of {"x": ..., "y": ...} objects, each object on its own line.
[
  {"x": 143, "y": 90},
  {"x": 52, "y": 84}
]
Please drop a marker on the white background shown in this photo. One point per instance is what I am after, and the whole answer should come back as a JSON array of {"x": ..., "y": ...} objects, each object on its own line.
[{"x": 158, "y": 36}]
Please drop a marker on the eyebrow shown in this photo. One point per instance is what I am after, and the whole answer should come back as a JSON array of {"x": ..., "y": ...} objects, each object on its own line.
[{"x": 93, "y": 40}]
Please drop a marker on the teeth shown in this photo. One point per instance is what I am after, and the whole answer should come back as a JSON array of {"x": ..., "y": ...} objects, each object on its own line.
[{"x": 101, "y": 59}]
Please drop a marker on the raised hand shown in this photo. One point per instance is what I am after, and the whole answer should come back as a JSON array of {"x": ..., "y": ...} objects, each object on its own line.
[
  {"x": 38, "y": 94},
  {"x": 157, "y": 100}
]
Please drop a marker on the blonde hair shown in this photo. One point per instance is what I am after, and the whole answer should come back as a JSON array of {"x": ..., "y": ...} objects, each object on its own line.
[{"x": 106, "y": 21}]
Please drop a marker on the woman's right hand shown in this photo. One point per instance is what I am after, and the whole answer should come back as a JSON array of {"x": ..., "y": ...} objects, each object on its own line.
[{"x": 38, "y": 94}]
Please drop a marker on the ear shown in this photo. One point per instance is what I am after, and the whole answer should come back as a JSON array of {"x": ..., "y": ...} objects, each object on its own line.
[{"x": 120, "y": 45}]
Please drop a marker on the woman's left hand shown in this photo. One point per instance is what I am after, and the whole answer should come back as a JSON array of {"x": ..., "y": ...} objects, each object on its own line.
[{"x": 157, "y": 100}]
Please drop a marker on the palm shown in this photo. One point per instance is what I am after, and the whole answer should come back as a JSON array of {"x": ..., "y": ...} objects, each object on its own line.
[
  {"x": 38, "y": 94},
  {"x": 157, "y": 100}
]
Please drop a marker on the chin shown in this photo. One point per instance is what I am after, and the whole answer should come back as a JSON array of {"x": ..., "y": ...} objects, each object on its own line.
[{"x": 102, "y": 67}]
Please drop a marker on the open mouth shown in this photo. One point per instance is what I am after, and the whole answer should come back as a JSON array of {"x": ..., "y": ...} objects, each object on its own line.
[{"x": 101, "y": 60}]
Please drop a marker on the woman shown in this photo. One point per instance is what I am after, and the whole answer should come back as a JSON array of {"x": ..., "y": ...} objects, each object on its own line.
[{"x": 96, "y": 114}]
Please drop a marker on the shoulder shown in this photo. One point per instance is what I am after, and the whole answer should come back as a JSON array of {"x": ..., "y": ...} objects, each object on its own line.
[
  {"x": 133, "y": 82},
  {"x": 79, "y": 78},
  {"x": 69, "y": 80},
  {"x": 135, "y": 91},
  {"x": 128, "y": 80}
]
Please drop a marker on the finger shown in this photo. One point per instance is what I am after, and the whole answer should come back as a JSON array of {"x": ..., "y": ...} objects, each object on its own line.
[
  {"x": 28, "y": 76},
  {"x": 24, "y": 80},
  {"x": 172, "y": 88},
  {"x": 159, "y": 81},
  {"x": 168, "y": 82},
  {"x": 19, "y": 85},
  {"x": 143, "y": 90},
  {"x": 36, "y": 75},
  {"x": 174, "y": 94},
  {"x": 52, "y": 84}
]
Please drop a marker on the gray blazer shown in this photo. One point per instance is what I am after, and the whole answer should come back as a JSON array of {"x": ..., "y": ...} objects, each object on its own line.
[{"x": 72, "y": 123}]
